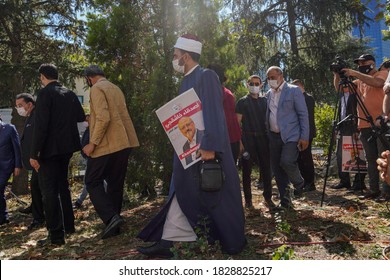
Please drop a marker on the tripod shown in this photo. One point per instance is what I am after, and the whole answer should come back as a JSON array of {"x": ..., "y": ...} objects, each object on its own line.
[{"x": 376, "y": 132}]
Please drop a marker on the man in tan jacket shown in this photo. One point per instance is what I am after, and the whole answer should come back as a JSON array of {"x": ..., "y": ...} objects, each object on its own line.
[{"x": 112, "y": 135}]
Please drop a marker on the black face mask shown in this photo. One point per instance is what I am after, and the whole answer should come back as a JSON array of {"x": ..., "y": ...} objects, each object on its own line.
[
  {"x": 89, "y": 83},
  {"x": 365, "y": 69}
]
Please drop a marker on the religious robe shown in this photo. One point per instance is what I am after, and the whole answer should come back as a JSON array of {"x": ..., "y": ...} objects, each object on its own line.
[{"x": 223, "y": 210}]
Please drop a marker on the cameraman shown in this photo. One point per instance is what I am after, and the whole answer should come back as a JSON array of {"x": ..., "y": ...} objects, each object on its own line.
[{"x": 369, "y": 86}]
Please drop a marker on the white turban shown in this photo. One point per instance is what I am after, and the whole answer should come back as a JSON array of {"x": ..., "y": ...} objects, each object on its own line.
[{"x": 188, "y": 45}]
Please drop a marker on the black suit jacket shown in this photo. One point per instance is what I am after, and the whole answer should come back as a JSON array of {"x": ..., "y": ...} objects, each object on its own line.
[
  {"x": 310, "y": 104},
  {"x": 57, "y": 112},
  {"x": 349, "y": 126},
  {"x": 26, "y": 140}
]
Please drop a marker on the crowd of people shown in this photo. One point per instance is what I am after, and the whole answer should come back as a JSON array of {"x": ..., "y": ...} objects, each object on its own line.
[{"x": 274, "y": 131}]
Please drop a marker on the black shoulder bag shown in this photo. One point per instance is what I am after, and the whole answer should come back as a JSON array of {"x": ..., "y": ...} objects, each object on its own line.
[{"x": 212, "y": 176}]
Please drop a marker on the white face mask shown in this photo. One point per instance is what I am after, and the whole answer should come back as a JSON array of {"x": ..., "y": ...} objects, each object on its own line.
[
  {"x": 21, "y": 111},
  {"x": 273, "y": 83},
  {"x": 254, "y": 89},
  {"x": 177, "y": 67}
]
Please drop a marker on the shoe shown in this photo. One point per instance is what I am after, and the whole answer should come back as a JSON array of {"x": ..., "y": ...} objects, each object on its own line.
[
  {"x": 384, "y": 197},
  {"x": 370, "y": 195},
  {"x": 112, "y": 227},
  {"x": 76, "y": 205},
  {"x": 299, "y": 191},
  {"x": 269, "y": 204},
  {"x": 3, "y": 222},
  {"x": 340, "y": 186},
  {"x": 47, "y": 241},
  {"x": 35, "y": 224},
  {"x": 27, "y": 210},
  {"x": 157, "y": 250},
  {"x": 309, "y": 187}
]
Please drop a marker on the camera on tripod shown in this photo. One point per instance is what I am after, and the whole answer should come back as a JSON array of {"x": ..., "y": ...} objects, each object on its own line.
[{"x": 337, "y": 67}]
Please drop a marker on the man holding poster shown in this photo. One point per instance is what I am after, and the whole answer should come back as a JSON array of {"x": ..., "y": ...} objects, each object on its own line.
[{"x": 217, "y": 215}]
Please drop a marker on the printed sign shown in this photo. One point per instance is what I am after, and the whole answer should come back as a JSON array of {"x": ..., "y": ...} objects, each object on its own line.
[
  {"x": 353, "y": 157},
  {"x": 182, "y": 120}
]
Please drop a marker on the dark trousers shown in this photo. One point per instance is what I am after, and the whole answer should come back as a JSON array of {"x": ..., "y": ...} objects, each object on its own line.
[
  {"x": 284, "y": 164},
  {"x": 4, "y": 176},
  {"x": 57, "y": 203},
  {"x": 306, "y": 165},
  {"x": 235, "y": 150},
  {"x": 36, "y": 197},
  {"x": 111, "y": 168},
  {"x": 258, "y": 149},
  {"x": 373, "y": 147}
]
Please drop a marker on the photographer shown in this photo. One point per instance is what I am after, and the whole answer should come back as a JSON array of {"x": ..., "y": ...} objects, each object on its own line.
[{"x": 369, "y": 86}]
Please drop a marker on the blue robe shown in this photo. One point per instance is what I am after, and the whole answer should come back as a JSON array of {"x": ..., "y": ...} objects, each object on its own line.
[{"x": 223, "y": 209}]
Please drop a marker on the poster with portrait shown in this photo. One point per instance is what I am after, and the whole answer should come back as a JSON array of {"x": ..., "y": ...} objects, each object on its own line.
[
  {"x": 353, "y": 157},
  {"x": 182, "y": 120}
]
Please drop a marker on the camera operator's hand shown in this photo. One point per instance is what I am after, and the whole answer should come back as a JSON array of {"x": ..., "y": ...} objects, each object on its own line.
[
  {"x": 350, "y": 72},
  {"x": 383, "y": 166}
]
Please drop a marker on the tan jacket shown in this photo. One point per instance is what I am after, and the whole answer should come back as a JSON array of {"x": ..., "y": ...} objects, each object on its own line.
[{"x": 111, "y": 128}]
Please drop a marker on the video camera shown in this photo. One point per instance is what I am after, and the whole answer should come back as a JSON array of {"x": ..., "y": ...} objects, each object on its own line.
[{"x": 338, "y": 65}]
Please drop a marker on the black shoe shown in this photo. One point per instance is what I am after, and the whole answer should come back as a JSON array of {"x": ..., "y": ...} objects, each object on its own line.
[
  {"x": 112, "y": 227},
  {"x": 370, "y": 195},
  {"x": 340, "y": 186},
  {"x": 299, "y": 191},
  {"x": 4, "y": 221},
  {"x": 309, "y": 187},
  {"x": 47, "y": 241},
  {"x": 357, "y": 187},
  {"x": 157, "y": 250},
  {"x": 384, "y": 197},
  {"x": 27, "y": 210},
  {"x": 35, "y": 224}
]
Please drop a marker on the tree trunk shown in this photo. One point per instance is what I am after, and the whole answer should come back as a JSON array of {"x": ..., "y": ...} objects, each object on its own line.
[
  {"x": 20, "y": 183},
  {"x": 293, "y": 30}
]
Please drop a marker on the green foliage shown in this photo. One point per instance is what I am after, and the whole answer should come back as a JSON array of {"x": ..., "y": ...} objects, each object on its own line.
[
  {"x": 283, "y": 253},
  {"x": 324, "y": 115},
  {"x": 34, "y": 32},
  {"x": 199, "y": 249}
]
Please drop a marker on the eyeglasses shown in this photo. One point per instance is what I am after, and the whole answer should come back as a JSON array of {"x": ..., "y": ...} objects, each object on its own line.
[{"x": 254, "y": 84}]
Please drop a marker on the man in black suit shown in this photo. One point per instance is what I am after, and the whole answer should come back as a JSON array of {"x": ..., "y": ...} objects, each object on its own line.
[
  {"x": 193, "y": 135},
  {"x": 305, "y": 158},
  {"x": 347, "y": 127},
  {"x": 25, "y": 105},
  {"x": 55, "y": 139}
]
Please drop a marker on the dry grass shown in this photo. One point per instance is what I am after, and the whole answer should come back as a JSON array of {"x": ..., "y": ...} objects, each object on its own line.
[{"x": 344, "y": 228}]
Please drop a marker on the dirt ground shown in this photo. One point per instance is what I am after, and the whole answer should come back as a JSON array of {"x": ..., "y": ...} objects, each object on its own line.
[{"x": 343, "y": 228}]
